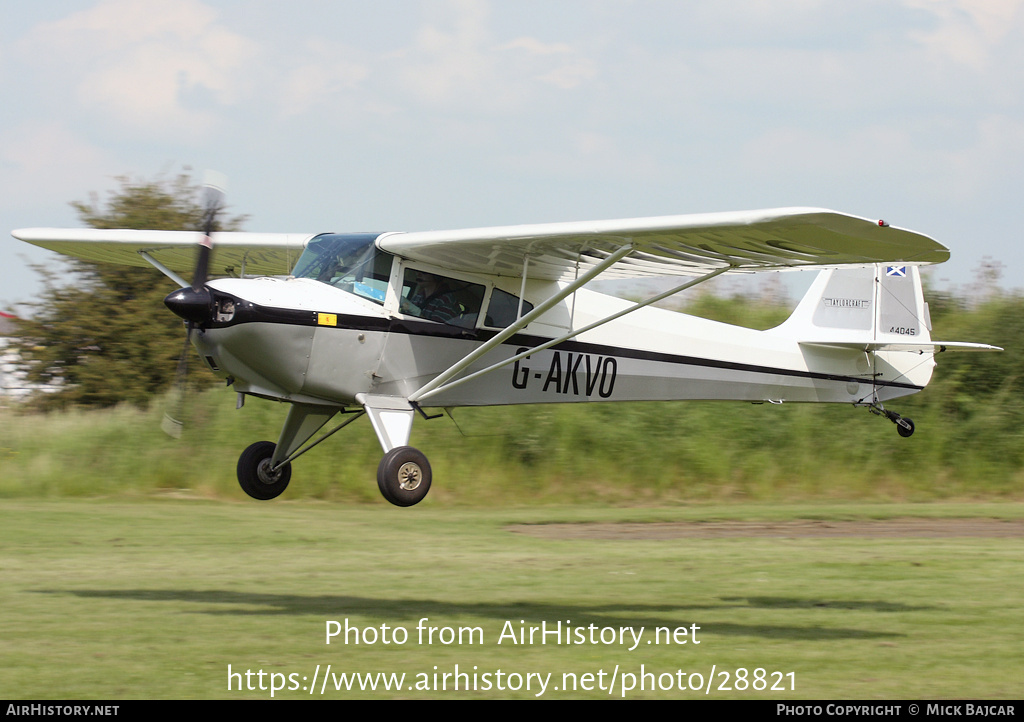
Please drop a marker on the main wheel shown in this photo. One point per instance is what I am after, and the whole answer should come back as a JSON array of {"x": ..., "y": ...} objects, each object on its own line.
[
  {"x": 255, "y": 476},
  {"x": 905, "y": 431},
  {"x": 403, "y": 476}
]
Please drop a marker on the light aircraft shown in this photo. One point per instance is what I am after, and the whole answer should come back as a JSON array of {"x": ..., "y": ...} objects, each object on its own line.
[{"x": 388, "y": 325}]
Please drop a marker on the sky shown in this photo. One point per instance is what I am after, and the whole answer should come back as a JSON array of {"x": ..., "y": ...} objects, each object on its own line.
[{"x": 338, "y": 115}]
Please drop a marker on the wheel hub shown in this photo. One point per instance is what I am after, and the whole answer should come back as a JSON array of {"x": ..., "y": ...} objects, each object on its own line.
[
  {"x": 409, "y": 475},
  {"x": 267, "y": 475}
]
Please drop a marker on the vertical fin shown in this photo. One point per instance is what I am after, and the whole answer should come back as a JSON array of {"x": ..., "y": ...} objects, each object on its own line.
[
  {"x": 839, "y": 306},
  {"x": 861, "y": 305}
]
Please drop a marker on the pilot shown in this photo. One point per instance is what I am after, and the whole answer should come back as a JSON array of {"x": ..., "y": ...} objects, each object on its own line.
[
  {"x": 332, "y": 269},
  {"x": 435, "y": 298}
]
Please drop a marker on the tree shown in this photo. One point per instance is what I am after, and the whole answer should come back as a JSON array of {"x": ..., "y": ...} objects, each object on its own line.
[{"x": 107, "y": 338}]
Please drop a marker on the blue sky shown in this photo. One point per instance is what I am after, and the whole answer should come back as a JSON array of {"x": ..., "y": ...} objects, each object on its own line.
[{"x": 330, "y": 115}]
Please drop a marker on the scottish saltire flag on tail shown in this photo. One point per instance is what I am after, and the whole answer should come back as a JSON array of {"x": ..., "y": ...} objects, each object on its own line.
[{"x": 897, "y": 271}]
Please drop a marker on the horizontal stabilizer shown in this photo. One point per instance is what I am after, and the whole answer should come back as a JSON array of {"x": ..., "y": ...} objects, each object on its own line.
[{"x": 907, "y": 346}]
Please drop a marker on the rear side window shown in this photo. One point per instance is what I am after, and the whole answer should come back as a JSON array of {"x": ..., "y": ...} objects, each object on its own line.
[{"x": 504, "y": 308}]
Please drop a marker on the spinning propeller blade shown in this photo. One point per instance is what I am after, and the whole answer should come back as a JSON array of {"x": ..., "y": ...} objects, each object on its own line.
[
  {"x": 214, "y": 203},
  {"x": 195, "y": 303}
]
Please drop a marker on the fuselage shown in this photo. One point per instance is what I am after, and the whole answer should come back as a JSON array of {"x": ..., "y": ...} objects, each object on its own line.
[{"x": 323, "y": 339}]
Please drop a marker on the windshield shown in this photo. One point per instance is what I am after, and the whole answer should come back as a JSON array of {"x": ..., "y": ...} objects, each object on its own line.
[{"x": 348, "y": 261}]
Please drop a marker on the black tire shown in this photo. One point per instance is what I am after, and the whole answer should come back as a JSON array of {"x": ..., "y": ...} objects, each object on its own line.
[
  {"x": 905, "y": 432},
  {"x": 403, "y": 476},
  {"x": 254, "y": 476}
]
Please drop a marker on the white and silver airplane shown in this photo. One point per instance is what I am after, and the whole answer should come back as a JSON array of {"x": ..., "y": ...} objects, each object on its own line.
[{"x": 388, "y": 324}]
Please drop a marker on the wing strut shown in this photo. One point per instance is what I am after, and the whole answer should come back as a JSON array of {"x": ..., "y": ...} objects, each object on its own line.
[
  {"x": 521, "y": 323},
  {"x": 164, "y": 270},
  {"x": 522, "y": 287},
  {"x": 433, "y": 387}
]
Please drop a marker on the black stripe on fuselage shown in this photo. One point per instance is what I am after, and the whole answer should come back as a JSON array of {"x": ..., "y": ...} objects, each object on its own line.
[{"x": 254, "y": 313}]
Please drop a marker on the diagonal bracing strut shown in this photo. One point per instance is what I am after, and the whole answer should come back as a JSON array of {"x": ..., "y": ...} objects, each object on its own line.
[{"x": 445, "y": 381}]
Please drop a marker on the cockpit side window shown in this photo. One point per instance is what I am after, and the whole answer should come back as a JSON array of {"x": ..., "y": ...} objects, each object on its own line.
[
  {"x": 440, "y": 298},
  {"x": 348, "y": 261}
]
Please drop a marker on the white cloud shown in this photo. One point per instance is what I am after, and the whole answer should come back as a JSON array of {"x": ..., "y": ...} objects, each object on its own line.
[
  {"x": 457, "y": 60},
  {"x": 449, "y": 56},
  {"x": 969, "y": 32},
  {"x": 571, "y": 75},
  {"x": 152, "y": 66},
  {"x": 321, "y": 72},
  {"x": 534, "y": 46}
]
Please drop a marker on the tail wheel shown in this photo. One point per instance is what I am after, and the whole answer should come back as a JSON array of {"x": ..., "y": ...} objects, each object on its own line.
[
  {"x": 255, "y": 475},
  {"x": 403, "y": 476}
]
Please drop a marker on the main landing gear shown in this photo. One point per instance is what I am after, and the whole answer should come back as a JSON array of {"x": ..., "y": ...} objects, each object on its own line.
[{"x": 403, "y": 476}]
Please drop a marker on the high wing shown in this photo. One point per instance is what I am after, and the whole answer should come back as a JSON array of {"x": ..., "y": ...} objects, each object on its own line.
[
  {"x": 671, "y": 245},
  {"x": 685, "y": 245},
  {"x": 268, "y": 254}
]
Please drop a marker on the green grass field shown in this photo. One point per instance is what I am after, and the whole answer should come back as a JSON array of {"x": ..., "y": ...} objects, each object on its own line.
[
  {"x": 156, "y": 597},
  {"x": 134, "y": 568}
]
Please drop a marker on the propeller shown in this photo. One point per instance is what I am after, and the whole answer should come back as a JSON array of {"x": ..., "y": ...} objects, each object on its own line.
[{"x": 194, "y": 303}]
